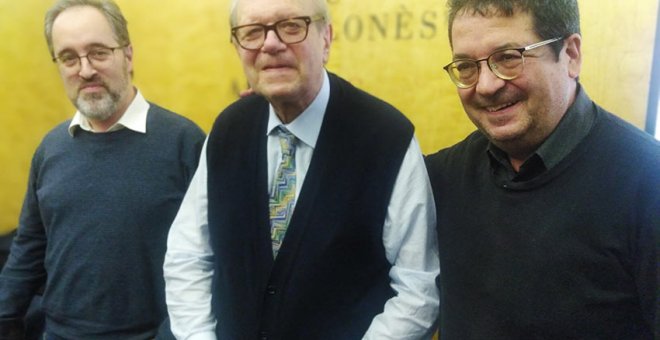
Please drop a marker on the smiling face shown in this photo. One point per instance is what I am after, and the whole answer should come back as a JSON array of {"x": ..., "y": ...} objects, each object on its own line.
[
  {"x": 102, "y": 91},
  {"x": 516, "y": 115},
  {"x": 289, "y": 76}
]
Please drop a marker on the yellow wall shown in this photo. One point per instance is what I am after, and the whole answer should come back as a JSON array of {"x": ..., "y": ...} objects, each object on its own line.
[{"x": 392, "y": 48}]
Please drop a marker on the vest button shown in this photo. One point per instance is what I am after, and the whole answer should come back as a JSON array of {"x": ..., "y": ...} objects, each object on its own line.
[
  {"x": 263, "y": 335},
  {"x": 270, "y": 290}
]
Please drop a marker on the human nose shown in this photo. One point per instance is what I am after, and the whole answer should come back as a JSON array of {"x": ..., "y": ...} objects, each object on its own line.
[
  {"x": 272, "y": 41},
  {"x": 488, "y": 82},
  {"x": 87, "y": 70}
]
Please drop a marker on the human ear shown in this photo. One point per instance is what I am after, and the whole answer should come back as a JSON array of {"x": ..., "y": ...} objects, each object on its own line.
[{"x": 574, "y": 54}]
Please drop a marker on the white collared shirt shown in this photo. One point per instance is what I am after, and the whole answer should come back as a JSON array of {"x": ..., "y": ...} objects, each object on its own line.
[
  {"x": 409, "y": 237},
  {"x": 135, "y": 118}
]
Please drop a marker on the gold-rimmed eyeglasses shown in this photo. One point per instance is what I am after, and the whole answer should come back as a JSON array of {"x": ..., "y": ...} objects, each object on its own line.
[
  {"x": 96, "y": 56},
  {"x": 289, "y": 31},
  {"x": 506, "y": 64}
]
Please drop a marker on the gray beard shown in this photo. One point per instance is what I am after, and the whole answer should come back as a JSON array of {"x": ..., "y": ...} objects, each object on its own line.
[{"x": 98, "y": 106}]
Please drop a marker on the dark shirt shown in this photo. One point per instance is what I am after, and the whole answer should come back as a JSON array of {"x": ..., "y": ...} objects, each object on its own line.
[{"x": 570, "y": 131}]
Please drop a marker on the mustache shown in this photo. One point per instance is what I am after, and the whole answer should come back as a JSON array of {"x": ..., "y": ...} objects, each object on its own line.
[
  {"x": 92, "y": 82},
  {"x": 498, "y": 98}
]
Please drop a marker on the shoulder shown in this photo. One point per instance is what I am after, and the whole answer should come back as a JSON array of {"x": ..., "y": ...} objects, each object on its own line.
[
  {"x": 158, "y": 113},
  {"x": 363, "y": 109},
  {"x": 249, "y": 105},
  {"x": 346, "y": 94},
  {"x": 56, "y": 140},
  {"x": 474, "y": 145},
  {"x": 244, "y": 120},
  {"x": 164, "y": 117},
  {"x": 59, "y": 133},
  {"x": 449, "y": 167},
  {"x": 243, "y": 111},
  {"x": 615, "y": 134}
]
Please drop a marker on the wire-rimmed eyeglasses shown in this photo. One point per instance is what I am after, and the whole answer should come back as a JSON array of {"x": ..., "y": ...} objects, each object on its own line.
[
  {"x": 96, "y": 56},
  {"x": 506, "y": 64},
  {"x": 289, "y": 31}
]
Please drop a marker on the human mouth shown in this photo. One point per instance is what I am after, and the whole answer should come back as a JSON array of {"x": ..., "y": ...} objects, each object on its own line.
[
  {"x": 92, "y": 87},
  {"x": 497, "y": 108},
  {"x": 270, "y": 67}
]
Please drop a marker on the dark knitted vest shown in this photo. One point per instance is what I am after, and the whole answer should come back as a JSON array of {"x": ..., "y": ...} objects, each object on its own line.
[{"x": 331, "y": 275}]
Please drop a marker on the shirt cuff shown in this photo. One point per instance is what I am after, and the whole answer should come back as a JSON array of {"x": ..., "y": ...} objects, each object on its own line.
[{"x": 202, "y": 336}]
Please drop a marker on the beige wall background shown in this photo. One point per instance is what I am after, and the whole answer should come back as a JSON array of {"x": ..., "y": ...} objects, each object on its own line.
[{"x": 394, "y": 49}]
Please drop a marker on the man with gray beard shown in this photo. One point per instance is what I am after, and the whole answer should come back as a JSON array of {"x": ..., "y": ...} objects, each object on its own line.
[{"x": 103, "y": 189}]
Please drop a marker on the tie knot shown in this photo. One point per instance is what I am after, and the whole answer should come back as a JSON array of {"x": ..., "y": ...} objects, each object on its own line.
[{"x": 287, "y": 141}]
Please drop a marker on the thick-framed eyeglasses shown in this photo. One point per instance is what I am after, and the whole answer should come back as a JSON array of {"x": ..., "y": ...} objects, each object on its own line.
[
  {"x": 289, "y": 31},
  {"x": 96, "y": 56},
  {"x": 506, "y": 64}
]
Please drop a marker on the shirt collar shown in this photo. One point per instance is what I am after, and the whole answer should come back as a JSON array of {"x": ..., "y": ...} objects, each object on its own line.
[
  {"x": 571, "y": 130},
  {"x": 307, "y": 126},
  {"x": 134, "y": 118}
]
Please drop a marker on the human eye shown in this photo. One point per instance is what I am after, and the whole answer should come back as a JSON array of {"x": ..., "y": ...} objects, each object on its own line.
[
  {"x": 464, "y": 66},
  {"x": 251, "y": 32},
  {"x": 291, "y": 26},
  {"x": 68, "y": 59},
  {"x": 506, "y": 58},
  {"x": 464, "y": 70},
  {"x": 99, "y": 54}
]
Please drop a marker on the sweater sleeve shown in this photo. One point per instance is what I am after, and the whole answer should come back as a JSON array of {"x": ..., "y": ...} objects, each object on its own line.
[
  {"x": 24, "y": 272},
  {"x": 192, "y": 143},
  {"x": 647, "y": 272}
]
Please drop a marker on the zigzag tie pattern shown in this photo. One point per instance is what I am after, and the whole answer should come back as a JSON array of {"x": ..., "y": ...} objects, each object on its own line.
[{"x": 283, "y": 195}]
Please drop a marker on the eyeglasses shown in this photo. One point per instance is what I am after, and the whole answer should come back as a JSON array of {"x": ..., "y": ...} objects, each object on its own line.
[
  {"x": 97, "y": 56},
  {"x": 506, "y": 64},
  {"x": 289, "y": 31}
]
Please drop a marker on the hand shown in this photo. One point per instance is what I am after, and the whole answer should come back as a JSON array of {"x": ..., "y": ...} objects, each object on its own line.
[{"x": 246, "y": 92}]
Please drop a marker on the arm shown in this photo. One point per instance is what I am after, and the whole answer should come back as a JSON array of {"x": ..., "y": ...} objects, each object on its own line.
[
  {"x": 647, "y": 270},
  {"x": 24, "y": 272},
  {"x": 409, "y": 237},
  {"x": 188, "y": 266}
]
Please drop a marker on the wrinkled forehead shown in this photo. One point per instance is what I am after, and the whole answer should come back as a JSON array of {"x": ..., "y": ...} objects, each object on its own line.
[
  {"x": 476, "y": 15},
  {"x": 268, "y": 11},
  {"x": 475, "y": 36},
  {"x": 81, "y": 26},
  {"x": 484, "y": 10},
  {"x": 487, "y": 9}
]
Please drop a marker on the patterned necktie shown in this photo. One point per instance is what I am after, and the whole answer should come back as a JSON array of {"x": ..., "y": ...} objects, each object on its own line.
[{"x": 283, "y": 195}]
